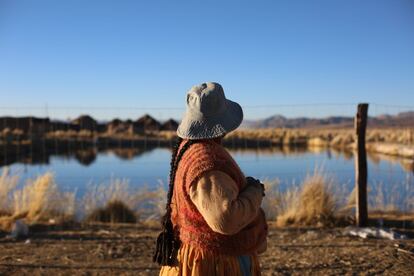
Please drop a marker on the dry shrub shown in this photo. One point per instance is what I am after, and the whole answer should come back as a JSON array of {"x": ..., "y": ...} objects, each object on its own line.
[
  {"x": 114, "y": 212},
  {"x": 145, "y": 204},
  {"x": 99, "y": 196},
  {"x": 314, "y": 203}
]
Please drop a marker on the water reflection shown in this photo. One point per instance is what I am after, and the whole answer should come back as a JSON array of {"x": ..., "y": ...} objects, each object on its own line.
[
  {"x": 406, "y": 164},
  {"x": 86, "y": 157},
  {"x": 86, "y": 152}
]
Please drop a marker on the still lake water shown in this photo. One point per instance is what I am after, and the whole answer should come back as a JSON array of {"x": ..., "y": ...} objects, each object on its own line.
[{"x": 387, "y": 177}]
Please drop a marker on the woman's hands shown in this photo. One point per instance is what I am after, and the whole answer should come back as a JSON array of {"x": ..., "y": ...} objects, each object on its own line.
[{"x": 256, "y": 182}]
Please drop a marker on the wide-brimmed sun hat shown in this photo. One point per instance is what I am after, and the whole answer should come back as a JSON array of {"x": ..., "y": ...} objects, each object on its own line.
[{"x": 209, "y": 114}]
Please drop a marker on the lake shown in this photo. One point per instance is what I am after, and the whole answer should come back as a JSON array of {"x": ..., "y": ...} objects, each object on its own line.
[{"x": 390, "y": 178}]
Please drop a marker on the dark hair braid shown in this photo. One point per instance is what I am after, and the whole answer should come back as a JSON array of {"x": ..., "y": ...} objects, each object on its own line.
[{"x": 168, "y": 241}]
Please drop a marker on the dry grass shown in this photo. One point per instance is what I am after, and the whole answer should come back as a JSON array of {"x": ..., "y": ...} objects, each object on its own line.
[
  {"x": 386, "y": 199},
  {"x": 8, "y": 183},
  {"x": 273, "y": 199},
  {"x": 389, "y": 141},
  {"x": 340, "y": 138},
  {"x": 313, "y": 203},
  {"x": 39, "y": 200},
  {"x": 99, "y": 196},
  {"x": 406, "y": 151},
  {"x": 144, "y": 203},
  {"x": 276, "y": 136}
]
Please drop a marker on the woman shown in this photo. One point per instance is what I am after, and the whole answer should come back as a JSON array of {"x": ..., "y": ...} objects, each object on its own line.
[{"x": 213, "y": 223}]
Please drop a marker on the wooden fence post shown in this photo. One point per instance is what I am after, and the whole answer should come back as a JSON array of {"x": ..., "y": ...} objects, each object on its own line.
[{"x": 361, "y": 171}]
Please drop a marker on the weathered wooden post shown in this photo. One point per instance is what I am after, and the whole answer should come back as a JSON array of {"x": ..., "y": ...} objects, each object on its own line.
[{"x": 361, "y": 172}]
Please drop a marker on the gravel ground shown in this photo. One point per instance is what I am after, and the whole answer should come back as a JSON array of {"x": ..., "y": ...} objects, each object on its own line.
[{"x": 127, "y": 250}]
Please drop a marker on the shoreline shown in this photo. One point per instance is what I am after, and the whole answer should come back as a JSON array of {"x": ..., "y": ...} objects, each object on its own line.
[
  {"x": 127, "y": 249},
  {"x": 39, "y": 150}
]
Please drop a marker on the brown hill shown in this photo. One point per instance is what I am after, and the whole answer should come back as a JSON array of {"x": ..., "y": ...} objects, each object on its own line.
[{"x": 404, "y": 119}]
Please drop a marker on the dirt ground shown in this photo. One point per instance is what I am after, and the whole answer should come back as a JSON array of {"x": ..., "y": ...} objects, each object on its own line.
[{"x": 127, "y": 250}]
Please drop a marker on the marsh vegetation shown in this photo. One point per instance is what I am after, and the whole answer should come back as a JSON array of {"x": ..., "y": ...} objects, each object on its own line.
[{"x": 316, "y": 201}]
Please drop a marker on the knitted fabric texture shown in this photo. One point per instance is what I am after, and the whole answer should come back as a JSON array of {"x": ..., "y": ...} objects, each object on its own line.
[{"x": 198, "y": 159}]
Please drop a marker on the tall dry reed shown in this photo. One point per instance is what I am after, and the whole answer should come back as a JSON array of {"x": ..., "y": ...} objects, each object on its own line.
[
  {"x": 38, "y": 200},
  {"x": 8, "y": 183},
  {"x": 313, "y": 203},
  {"x": 41, "y": 200}
]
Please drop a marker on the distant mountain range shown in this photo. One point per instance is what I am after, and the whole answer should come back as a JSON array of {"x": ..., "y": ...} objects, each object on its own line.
[{"x": 404, "y": 119}]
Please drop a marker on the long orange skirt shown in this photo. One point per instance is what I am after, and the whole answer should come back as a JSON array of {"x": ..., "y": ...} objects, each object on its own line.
[{"x": 192, "y": 261}]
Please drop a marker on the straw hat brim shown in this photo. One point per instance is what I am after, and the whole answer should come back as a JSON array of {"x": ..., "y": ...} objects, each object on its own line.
[{"x": 195, "y": 126}]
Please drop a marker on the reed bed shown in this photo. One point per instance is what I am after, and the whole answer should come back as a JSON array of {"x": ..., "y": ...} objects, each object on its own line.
[
  {"x": 39, "y": 200},
  {"x": 388, "y": 141},
  {"x": 317, "y": 201},
  {"x": 336, "y": 137}
]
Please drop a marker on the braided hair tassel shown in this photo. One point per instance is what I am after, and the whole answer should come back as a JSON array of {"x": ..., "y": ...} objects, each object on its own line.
[{"x": 168, "y": 242}]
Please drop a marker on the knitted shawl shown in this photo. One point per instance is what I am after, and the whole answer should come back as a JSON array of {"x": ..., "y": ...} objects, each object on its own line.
[{"x": 193, "y": 230}]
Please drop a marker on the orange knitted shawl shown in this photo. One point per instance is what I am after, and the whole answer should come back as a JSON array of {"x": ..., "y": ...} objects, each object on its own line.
[{"x": 193, "y": 230}]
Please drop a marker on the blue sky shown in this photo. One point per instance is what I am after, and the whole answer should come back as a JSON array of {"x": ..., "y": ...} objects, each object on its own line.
[{"x": 126, "y": 58}]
